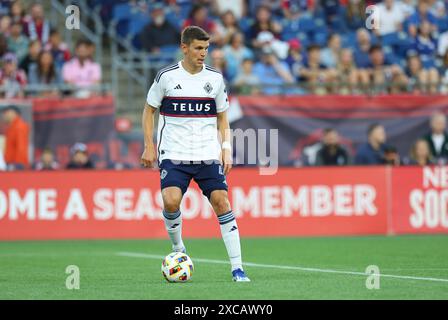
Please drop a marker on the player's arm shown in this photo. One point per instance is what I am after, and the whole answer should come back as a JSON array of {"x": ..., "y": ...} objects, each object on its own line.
[
  {"x": 226, "y": 148},
  {"x": 149, "y": 154}
]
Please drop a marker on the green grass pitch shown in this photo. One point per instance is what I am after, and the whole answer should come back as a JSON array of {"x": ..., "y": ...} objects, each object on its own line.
[{"x": 119, "y": 269}]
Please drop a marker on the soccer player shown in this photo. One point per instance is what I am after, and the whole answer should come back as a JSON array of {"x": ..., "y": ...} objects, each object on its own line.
[{"x": 192, "y": 100}]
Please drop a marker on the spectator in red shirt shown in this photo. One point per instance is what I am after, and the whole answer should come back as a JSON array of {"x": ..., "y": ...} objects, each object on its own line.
[
  {"x": 198, "y": 17},
  {"x": 17, "y": 138},
  {"x": 12, "y": 80},
  {"x": 36, "y": 26}
]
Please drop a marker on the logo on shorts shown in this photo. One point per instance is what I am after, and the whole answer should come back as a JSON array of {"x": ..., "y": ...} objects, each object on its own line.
[
  {"x": 163, "y": 174},
  {"x": 208, "y": 87},
  {"x": 220, "y": 171}
]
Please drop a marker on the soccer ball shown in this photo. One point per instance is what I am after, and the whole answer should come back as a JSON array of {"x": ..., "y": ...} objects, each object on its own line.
[{"x": 177, "y": 267}]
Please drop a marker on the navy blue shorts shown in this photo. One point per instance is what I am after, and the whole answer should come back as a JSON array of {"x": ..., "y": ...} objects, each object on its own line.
[{"x": 208, "y": 175}]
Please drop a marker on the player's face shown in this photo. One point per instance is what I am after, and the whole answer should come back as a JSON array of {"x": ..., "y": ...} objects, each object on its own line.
[{"x": 196, "y": 52}]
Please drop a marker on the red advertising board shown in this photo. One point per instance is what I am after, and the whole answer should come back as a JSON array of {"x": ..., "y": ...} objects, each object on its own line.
[
  {"x": 420, "y": 200},
  {"x": 127, "y": 204}
]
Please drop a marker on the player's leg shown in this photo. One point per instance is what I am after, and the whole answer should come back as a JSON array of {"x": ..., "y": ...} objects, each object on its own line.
[
  {"x": 172, "y": 197},
  {"x": 213, "y": 184},
  {"x": 174, "y": 181}
]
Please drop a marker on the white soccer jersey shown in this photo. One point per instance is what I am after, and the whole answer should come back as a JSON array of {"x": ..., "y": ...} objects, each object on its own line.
[{"x": 188, "y": 105}]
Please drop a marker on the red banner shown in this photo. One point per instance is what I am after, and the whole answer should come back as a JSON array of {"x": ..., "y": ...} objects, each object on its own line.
[
  {"x": 119, "y": 204},
  {"x": 420, "y": 200}
]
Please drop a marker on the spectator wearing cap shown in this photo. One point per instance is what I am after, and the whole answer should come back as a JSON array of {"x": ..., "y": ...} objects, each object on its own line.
[
  {"x": 12, "y": 79},
  {"x": 17, "y": 138},
  {"x": 47, "y": 161},
  {"x": 272, "y": 72},
  {"x": 235, "y": 52},
  {"x": 17, "y": 42},
  {"x": 37, "y": 27},
  {"x": 81, "y": 71},
  {"x": 295, "y": 58},
  {"x": 80, "y": 157},
  {"x": 372, "y": 152},
  {"x": 159, "y": 32}
]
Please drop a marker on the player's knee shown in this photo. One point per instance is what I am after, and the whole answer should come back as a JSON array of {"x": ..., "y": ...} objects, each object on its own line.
[
  {"x": 220, "y": 204},
  {"x": 171, "y": 201}
]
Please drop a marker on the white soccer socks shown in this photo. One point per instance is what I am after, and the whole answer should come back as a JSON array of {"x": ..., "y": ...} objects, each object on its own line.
[
  {"x": 173, "y": 224},
  {"x": 231, "y": 237}
]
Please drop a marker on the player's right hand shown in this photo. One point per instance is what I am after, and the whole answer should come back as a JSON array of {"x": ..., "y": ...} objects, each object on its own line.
[{"x": 148, "y": 158}]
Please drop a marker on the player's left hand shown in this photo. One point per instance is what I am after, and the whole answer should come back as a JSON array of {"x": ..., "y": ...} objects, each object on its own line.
[{"x": 226, "y": 160}]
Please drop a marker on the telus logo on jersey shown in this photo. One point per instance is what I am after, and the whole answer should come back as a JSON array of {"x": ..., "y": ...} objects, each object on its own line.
[{"x": 188, "y": 107}]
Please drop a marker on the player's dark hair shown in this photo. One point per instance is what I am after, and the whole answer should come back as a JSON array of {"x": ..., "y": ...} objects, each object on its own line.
[
  {"x": 372, "y": 127},
  {"x": 191, "y": 33}
]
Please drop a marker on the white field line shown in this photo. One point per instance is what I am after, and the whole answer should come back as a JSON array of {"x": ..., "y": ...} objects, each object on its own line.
[{"x": 272, "y": 266}]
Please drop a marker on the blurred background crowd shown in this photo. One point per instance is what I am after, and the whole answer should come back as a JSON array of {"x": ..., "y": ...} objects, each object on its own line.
[{"x": 317, "y": 47}]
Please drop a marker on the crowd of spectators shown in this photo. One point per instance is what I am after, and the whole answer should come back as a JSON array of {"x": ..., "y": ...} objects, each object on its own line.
[
  {"x": 309, "y": 46},
  {"x": 34, "y": 61},
  {"x": 268, "y": 47},
  {"x": 431, "y": 149}
]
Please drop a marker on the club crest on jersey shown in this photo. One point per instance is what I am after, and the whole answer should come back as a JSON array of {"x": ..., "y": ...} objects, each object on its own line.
[
  {"x": 208, "y": 87},
  {"x": 163, "y": 174}
]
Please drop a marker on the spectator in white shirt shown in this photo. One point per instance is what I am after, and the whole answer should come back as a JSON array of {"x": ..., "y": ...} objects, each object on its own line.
[{"x": 391, "y": 17}]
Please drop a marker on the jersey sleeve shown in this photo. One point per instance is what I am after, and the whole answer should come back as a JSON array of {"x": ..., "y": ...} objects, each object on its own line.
[
  {"x": 156, "y": 94},
  {"x": 222, "y": 101}
]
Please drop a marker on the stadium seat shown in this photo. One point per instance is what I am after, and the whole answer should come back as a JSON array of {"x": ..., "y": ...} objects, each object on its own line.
[
  {"x": 137, "y": 22},
  {"x": 390, "y": 39}
]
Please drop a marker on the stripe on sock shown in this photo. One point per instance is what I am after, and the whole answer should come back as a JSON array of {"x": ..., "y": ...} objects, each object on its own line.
[
  {"x": 171, "y": 216},
  {"x": 227, "y": 217}
]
